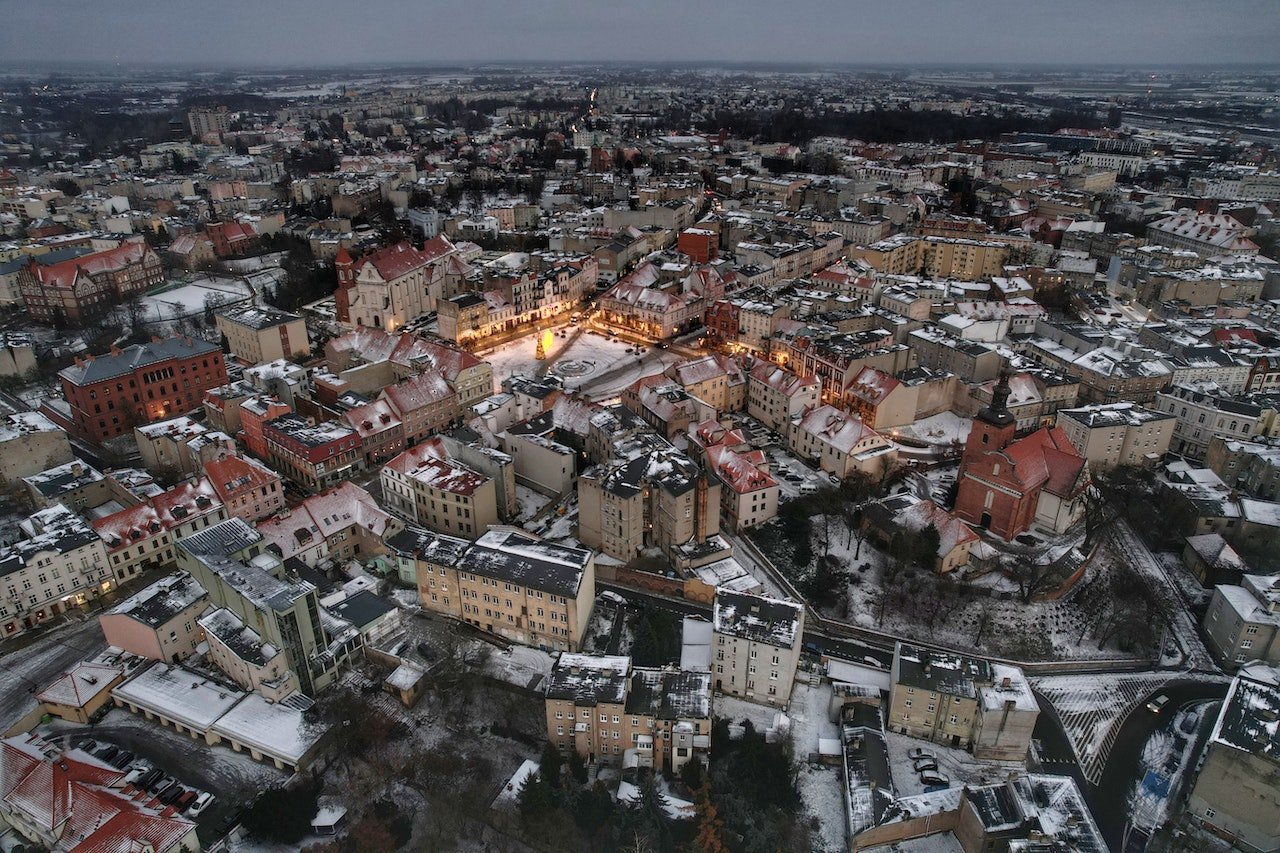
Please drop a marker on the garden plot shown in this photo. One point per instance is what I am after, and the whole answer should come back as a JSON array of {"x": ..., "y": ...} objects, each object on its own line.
[
  {"x": 191, "y": 300},
  {"x": 962, "y": 610}
]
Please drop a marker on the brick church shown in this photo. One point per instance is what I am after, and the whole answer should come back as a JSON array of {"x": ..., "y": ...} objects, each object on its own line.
[{"x": 1006, "y": 486}]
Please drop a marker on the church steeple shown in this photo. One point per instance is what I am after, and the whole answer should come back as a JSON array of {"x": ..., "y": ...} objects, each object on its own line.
[
  {"x": 997, "y": 414},
  {"x": 993, "y": 427}
]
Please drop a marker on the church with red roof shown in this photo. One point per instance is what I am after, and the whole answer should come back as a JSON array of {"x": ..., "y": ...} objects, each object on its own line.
[{"x": 1008, "y": 485}]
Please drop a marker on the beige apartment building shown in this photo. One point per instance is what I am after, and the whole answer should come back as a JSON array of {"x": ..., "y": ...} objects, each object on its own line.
[
  {"x": 258, "y": 335},
  {"x": 602, "y": 708},
  {"x": 1243, "y": 621},
  {"x": 756, "y": 646},
  {"x": 840, "y": 444},
  {"x": 424, "y": 486},
  {"x": 507, "y": 582},
  {"x": 239, "y": 652},
  {"x": 58, "y": 564},
  {"x": 937, "y": 257},
  {"x": 961, "y": 702},
  {"x": 656, "y": 498},
  {"x": 160, "y": 622},
  {"x": 775, "y": 395},
  {"x": 1118, "y": 433}
]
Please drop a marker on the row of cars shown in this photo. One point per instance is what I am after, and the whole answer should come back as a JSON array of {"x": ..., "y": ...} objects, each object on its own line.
[
  {"x": 143, "y": 776},
  {"x": 926, "y": 765}
]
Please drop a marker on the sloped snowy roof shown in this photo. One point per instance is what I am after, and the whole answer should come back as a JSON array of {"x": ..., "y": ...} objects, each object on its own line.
[{"x": 757, "y": 618}]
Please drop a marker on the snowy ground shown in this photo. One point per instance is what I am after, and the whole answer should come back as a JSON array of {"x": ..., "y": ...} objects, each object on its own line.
[
  {"x": 521, "y": 666},
  {"x": 607, "y": 366},
  {"x": 736, "y": 710},
  {"x": 261, "y": 262},
  {"x": 956, "y": 764},
  {"x": 190, "y": 300},
  {"x": 821, "y": 788},
  {"x": 822, "y": 792},
  {"x": 943, "y": 429},
  {"x": 1044, "y": 630},
  {"x": 530, "y": 502}
]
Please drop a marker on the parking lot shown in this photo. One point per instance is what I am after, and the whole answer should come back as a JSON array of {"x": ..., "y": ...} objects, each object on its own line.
[{"x": 232, "y": 779}]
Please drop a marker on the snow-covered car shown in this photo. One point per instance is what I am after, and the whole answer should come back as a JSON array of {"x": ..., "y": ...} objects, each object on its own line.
[
  {"x": 612, "y": 598},
  {"x": 931, "y": 779},
  {"x": 917, "y": 753},
  {"x": 923, "y": 765}
]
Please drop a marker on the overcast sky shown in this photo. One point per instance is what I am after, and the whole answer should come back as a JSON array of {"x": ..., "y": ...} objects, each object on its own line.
[{"x": 327, "y": 32}]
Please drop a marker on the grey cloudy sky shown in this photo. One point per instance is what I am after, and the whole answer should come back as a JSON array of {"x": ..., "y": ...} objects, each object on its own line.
[{"x": 325, "y": 32}]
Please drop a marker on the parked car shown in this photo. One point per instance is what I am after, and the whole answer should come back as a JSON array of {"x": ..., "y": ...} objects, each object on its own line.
[
  {"x": 933, "y": 778},
  {"x": 108, "y": 752},
  {"x": 1157, "y": 704},
  {"x": 88, "y": 745},
  {"x": 182, "y": 803},
  {"x": 134, "y": 775},
  {"x": 924, "y": 765},
  {"x": 917, "y": 752},
  {"x": 122, "y": 760},
  {"x": 613, "y": 598},
  {"x": 161, "y": 784},
  {"x": 171, "y": 793},
  {"x": 201, "y": 803},
  {"x": 149, "y": 778}
]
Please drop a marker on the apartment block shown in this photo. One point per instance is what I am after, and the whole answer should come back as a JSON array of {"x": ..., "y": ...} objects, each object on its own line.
[
  {"x": 605, "y": 710},
  {"x": 756, "y": 646}
]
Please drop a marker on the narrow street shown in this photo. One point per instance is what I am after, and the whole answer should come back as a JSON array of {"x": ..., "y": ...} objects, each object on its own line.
[{"x": 1183, "y": 629}]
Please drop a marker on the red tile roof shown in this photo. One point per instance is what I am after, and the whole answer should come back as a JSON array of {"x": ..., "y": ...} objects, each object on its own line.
[{"x": 64, "y": 273}]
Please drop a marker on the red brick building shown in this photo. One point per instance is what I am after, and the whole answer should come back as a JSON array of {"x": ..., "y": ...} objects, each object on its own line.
[
  {"x": 1006, "y": 485},
  {"x": 231, "y": 239},
  {"x": 111, "y": 394},
  {"x": 79, "y": 289},
  {"x": 701, "y": 245},
  {"x": 254, "y": 412},
  {"x": 314, "y": 456}
]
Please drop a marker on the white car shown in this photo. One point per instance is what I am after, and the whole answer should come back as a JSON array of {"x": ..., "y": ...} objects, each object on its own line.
[
  {"x": 613, "y": 598},
  {"x": 202, "y": 802}
]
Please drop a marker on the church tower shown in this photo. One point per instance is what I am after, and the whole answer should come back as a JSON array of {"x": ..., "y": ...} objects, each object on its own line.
[{"x": 994, "y": 426}]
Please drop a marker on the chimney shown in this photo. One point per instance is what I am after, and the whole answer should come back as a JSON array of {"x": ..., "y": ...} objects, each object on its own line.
[
  {"x": 115, "y": 350},
  {"x": 1006, "y": 682}
]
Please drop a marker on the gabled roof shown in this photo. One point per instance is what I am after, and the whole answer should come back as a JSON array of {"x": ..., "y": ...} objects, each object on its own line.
[
  {"x": 129, "y": 359},
  {"x": 232, "y": 476},
  {"x": 65, "y": 274},
  {"x": 1046, "y": 458}
]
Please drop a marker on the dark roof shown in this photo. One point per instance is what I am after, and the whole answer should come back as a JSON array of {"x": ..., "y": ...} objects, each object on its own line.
[
  {"x": 428, "y": 545},
  {"x": 1248, "y": 718},
  {"x": 670, "y": 694},
  {"x": 105, "y": 367},
  {"x": 757, "y": 618},
  {"x": 258, "y": 317},
  {"x": 950, "y": 674},
  {"x": 362, "y": 609},
  {"x": 519, "y": 558},
  {"x": 589, "y": 680}
]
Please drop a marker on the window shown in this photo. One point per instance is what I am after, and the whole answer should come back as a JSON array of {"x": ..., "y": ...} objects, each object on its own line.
[{"x": 953, "y": 719}]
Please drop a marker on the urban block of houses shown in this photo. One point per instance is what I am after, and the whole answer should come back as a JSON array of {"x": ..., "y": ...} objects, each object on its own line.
[
  {"x": 160, "y": 621},
  {"x": 69, "y": 800},
  {"x": 606, "y": 710},
  {"x": 961, "y": 702},
  {"x": 56, "y": 565}
]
